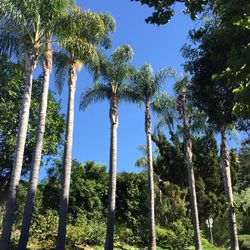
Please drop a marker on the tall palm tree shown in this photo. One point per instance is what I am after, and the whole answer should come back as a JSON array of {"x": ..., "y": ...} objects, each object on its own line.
[
  {"x": 226, "y": 172},
  {"x": 37, "y": 153},
  {"x": 145, "y": 88},
  {"x": 114, "y": 71},
  {"x": 189, "y": 161},
  {"x": 182, "y": 110},
  {"x": 81, "y": 34},
  {"x": 23, "y": 26}
]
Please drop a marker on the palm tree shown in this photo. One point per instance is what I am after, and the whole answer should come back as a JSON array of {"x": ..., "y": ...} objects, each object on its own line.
[
  {"x": 189, "y": 161},
  {"x": 226, "y": 172},
  {"x": 23, "y": 26},
  {"x": 114, "y": 71},
  {"x": 37, "y": 153},
  {"x": 183, "y": 111},
  {"x": 81, "y": 34},
  {"x": 144, "y": 89}
]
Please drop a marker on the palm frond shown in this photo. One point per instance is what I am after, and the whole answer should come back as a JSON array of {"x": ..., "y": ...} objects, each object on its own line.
[
  {"x": 10, "y": 42},
  {"x": 98, "y": 92},
  {"x": 122, "y": 54},
  {"x": 109, "y": 24},
  {"x": 127, "y": 93},
  {"x": 61, "y": 63}
]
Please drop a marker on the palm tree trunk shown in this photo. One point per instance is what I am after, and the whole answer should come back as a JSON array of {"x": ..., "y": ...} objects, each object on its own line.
[
  {"x": 113, "y": 114},
  {"x": 152, "y": 237},
  {"x": 37, "y": 154},
  {"x": 67, "y": 161},
  {"x": 30, "y": 65},
  {"x": 225, "y": 166},
  {"x": 193, "y": 198}
]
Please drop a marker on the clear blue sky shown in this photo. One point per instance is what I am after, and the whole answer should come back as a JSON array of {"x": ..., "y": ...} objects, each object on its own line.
[{"x": 159, "y": 46}]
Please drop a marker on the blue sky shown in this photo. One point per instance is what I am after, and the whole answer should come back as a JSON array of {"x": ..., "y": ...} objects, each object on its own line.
[{"x": 159, "y": 46}]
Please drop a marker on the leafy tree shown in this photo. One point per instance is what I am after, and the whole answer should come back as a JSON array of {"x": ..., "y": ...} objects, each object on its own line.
[
  {"x": 144, "y": 88},
  {"x": 215, "y": 97},
  {"x": 244, "y": 169},
  {"x": 132, "y": 205},
  {"x": 11, "y": 79},
  {"x": 88, "y": 190},
  {"x": 164, "y": 9},
  {"x": 114, "y": 71},
  {"x": 80, "y": 35}
]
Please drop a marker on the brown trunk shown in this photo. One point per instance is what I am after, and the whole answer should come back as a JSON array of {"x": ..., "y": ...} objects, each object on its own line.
[
  {"x": 37, "y": 154},
  {"x": 67, "y": 162},
  {"x": 225, "y": 167},
  {"x": 30, "y": 65},
  {"x": 193, "y": 199},
  {"x": 152, "y": 237},
  {"x": 113, "y": 114}
]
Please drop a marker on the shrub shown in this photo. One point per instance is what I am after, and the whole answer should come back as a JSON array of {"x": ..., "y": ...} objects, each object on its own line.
[
  {"x": 43, "y": 230},
  {"x": 125, "y": 235},
  {"x": 84, "y": 231},
  {"x": 244, "y": 242},
  {"x": 177, "y": 237}
]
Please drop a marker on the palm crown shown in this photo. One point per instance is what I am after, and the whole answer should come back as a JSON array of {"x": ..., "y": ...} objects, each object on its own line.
[
  {"x": 145, "y": 84},
  {"x": 81, "y": 34},
  {"x": 113, "y": 72},
  {"x": 25, "y": 23}
]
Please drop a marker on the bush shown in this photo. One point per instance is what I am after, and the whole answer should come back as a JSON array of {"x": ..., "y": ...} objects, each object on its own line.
[
  {"x": 85, "y": 232},
  {"x": 165, "y": 237},
  {"x": 244, "y": 242},
  {"x": 43, "y": 230},
  {"x": 125, "y": 235},
  {"x": 177, "y": 237}
]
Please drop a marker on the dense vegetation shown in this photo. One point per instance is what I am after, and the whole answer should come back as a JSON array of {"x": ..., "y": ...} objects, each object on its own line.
[{"x": 191, "y": 178}]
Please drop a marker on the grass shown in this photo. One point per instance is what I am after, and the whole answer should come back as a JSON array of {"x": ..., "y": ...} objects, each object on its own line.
[{"x": 205, "y": 246}]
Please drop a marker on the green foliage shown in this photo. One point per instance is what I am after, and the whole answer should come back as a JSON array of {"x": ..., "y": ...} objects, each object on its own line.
[
  {"x": 88, "y": 190},
  {"x": 171, "y": 168},
  {"x": 112, "y": 72},
  {"x": 81, "y": 34},
  {"x": 164, "y": 9},
  {"x": 124, "y": 235},
  {"x": 145, "y": 84},
  {"x": 85, "y": 231},
  {"x": 132, "y": 208},
  {"x": 244, "y": 169},
  {"x": 43, "y": 230},
  {"x": 179, "y": 236},
  {"x": 11, "y": 88},
  {"x": 220, "y": 231},
  {"x": 206, "y": 246},
  {"x": 25, "y": 23},
  {"x": 244, "y": 242},
  {"x": 242, "y": 200},
  {"x": 218, "y": 61}
]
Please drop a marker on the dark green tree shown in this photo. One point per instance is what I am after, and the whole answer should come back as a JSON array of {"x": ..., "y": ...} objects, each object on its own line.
[
  {"x": 214, "y": 94},
  {"x": 88, "y": 191},
  {"x": 132, "y": 205}
]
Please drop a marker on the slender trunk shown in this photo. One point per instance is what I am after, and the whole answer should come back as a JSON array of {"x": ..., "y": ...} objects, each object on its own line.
[
  {"x": 113, "y": 114},
  {"x": 225, "y": 166},
  {"x": 30, "y": 65},
  {"x": 37, "y": 153},
  {"x": 152, "y": 237},
  {"x": 193, "y": 199},
  {"x": 67, "y": 162}
]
